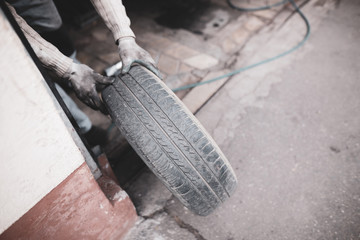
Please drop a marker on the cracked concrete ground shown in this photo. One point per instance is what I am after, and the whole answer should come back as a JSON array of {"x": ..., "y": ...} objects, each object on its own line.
[
  {"x": 205, "y": 43},
  {"x": 291, "y": 131}
]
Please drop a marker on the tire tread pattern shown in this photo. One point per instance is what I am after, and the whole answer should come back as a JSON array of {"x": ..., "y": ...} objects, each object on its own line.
[{"x": 170, "y": 140}]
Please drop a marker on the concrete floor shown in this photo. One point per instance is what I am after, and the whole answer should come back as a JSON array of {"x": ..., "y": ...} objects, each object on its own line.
[
  {"x": 291, "y": 130},
  {"x": 205, "y": 42}
]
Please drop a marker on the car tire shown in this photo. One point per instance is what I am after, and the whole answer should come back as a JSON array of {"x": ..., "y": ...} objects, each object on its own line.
[{"x": 170, "y": 140}]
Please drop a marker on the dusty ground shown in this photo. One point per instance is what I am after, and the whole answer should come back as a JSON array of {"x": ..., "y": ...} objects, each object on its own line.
[
  {"x": 190, "y": 41},
  {"x": 291, "y": 131},
  {"x": 290, "y": 128}
]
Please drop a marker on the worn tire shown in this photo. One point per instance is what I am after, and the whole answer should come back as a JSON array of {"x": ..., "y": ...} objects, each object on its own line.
[{"x": 170, "y": 140}]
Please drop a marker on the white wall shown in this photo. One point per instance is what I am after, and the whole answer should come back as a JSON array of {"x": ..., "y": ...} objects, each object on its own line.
[{"x": 37, "y": 152}]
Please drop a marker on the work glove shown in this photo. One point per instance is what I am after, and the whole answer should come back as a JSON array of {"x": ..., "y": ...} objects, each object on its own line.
[
  {"x": 84, "y": 82},
  {"x": 131, "y": 53}
]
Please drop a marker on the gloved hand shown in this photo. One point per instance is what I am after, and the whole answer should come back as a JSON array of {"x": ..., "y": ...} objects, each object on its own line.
[
  {"x": 84, "y": 81},
  {"x": 131, "y": 53}
]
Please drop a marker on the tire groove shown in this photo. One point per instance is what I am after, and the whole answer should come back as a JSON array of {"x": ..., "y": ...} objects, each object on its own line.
[
  {"x": 195, "y": 188},
  {"x": 182, "y": 138},
  {"x": 154, "y": 168},
  {"x": 176, "y": 147},
  {"x": 228, "y": 194}
]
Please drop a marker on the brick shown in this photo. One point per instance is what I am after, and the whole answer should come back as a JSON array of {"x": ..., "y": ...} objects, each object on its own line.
[
  {"x": 100, "y": 33},
  {"x": 199, "y": 95},
  {"x": 200, "y": 73},
  {"x": 228, "y": 45},
  {"x": 181, "y": 80},
  {"x": 248, "y": 4},
  {"x": 172, "y": 81},
  {"x": 253, "y": 24},
  {"x": 110, "y": 58},
  {"x": 154, "y": 54},
  {"x": 180, "y": 51},
  {"x": 272, "y": 2},
  {"x": 156, "y": 42},
  {"x": 98, "y": 66},
  {"x": 168, "y": 64},
  {"x": 184, "y": 68},
  {"x": 91, "y": 61},
  {"x": 163, "y": 76},
  {"x": 84, "y": 57},
  {"x": 221, "y": 3},
  {"x": 240, "y": 35},
  {"x": 266, "y": 14},
  {"x": 201, "y": 61}
]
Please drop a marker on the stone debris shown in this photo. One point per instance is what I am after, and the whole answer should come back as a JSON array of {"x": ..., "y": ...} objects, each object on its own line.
[{"x": 160, "y": 227}]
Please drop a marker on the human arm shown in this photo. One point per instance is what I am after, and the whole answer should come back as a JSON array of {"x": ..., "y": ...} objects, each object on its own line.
[
  {"x": 114, "y": 15},
  {"x": 83, "y": 79}
]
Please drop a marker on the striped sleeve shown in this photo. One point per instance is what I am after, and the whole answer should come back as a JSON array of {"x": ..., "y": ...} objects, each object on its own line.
[
  {"x": 50, "y": 57},
  {"x": 114, "y": 15}
]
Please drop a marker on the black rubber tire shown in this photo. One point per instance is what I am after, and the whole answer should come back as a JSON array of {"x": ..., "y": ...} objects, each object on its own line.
[{"x": 170, "y": 140}]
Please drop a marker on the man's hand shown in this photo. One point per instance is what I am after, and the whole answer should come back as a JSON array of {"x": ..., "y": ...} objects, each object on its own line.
[
  {"x": 131, "y": 53},
  {"x": 84, "y": 81}
]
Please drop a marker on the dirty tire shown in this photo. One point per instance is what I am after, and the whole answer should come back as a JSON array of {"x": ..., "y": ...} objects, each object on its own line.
[{"x": 170, "y": 140}]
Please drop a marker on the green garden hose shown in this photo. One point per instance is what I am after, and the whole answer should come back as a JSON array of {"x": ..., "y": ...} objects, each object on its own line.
[{"x": 301, "y": 43}]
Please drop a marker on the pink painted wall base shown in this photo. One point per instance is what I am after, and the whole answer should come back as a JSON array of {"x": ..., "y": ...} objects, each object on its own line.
[{"x": 78, "y": 208}]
